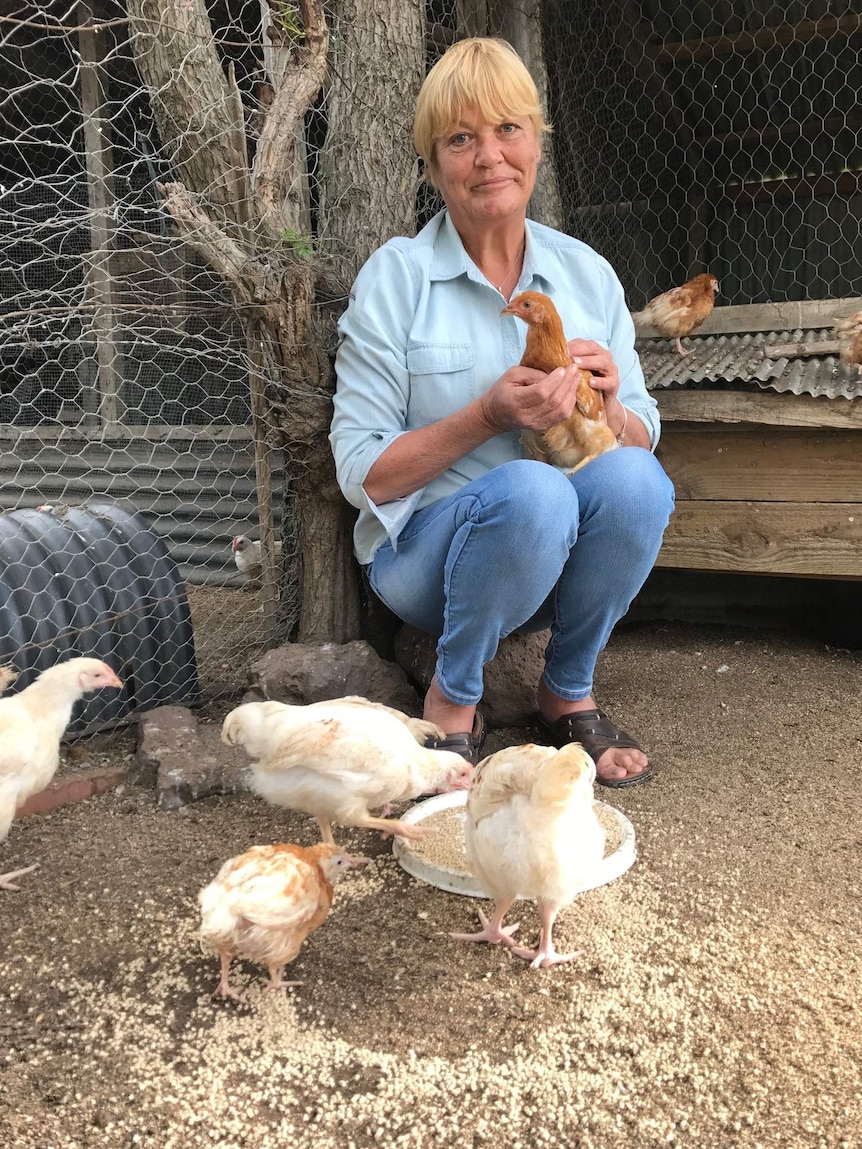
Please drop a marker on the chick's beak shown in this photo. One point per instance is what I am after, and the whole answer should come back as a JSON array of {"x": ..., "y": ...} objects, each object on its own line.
[
  {"x": 114, "y": 681},
  {"x": 461, "y": 779},
  {"x": 354, "y": 860}
]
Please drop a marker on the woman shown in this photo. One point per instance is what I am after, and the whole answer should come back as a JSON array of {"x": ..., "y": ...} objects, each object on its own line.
[{"x": 461, "y": 535}]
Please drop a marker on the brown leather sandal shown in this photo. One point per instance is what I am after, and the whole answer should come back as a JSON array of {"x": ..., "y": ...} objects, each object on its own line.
[
  {"x": 469, "y": 746},
  {"x": 596, "y": 733}
]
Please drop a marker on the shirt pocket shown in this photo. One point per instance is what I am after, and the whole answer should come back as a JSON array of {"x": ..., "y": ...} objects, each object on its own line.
[{"x": 442, "y": 380}]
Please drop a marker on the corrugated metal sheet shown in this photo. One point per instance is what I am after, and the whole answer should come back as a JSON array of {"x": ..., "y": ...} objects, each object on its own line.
[
  {"x": 196, "y": 494},
  {"x": 736, "y": 359}
]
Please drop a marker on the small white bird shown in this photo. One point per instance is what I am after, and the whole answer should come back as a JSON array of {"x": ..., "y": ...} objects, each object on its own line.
[
  {"x": 31, "y": 726},
  {"x": 531, "y": 831},
  {"x": 247, "y": 556},
  {"x": 339, "y": 760},
  {"x": 264, "y": 903}
]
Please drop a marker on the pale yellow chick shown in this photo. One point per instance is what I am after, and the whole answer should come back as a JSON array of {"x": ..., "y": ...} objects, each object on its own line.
[
  {"x": 339, "y": 761},
  {"x": 31, "y": 726},
  {"x": 531, "y": 831},
  {"x": 420, "y": 728},
  {"x": 264, "y": 903}
]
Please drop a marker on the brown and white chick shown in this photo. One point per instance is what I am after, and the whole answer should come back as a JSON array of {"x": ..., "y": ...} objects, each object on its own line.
[
  {"x": 572, "y": 442},
  {"x": 338, "y": 762},
  {"x": 264, "y": 903},
  {"x": 848, "y": 332},
  {"x": 679, "y": 311},
  {"x": 31, "y": 726},
  {"x": 531, "y": 831}
]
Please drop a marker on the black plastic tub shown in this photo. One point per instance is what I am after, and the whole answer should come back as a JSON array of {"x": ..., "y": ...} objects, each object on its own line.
[{"x": 95, "y": 581}]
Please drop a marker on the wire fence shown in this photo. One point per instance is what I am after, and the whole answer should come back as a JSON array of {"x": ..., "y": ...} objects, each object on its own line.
[{"x": 132, "y": 333}]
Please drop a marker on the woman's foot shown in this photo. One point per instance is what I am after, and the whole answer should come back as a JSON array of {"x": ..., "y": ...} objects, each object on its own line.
[
  {"x": 614, "y": 765},
  {"x": 463, "y": 726},
  {"x": 450, "y": 717}
]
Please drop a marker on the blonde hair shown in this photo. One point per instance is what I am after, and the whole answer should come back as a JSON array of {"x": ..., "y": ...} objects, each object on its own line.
[{"x": 482, "y": 72}]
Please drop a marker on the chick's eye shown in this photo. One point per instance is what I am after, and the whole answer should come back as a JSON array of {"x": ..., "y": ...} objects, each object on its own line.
[{"x": 527, "y": 304}]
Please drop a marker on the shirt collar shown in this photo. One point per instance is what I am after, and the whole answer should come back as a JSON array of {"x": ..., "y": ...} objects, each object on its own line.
[{"x": 450, "y": 258}]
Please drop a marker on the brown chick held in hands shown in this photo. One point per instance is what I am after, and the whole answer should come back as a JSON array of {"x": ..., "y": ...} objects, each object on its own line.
[
  {"x": 679, "y": 311},
  {"x": 848, "y": 332},
  {"x": 531, "y": 831},
  {"x": 31, "y": 726},
  {"x": 264, "y": 903},
  {"x": 573, "y": 442}
]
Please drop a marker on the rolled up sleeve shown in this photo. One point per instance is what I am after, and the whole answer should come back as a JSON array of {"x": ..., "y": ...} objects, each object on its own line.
[
  {"x": 370, "y": 406},
  {"x": 621, "y": 334}
]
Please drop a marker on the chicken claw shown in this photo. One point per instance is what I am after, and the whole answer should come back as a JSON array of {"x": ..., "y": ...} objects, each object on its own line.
[
  {"x": 493, "y": 930},
  {"x": 275, "y": 980},
  {"x": 545, "y": 957},
  {"x": 396, "y": 827},
  {"x": 7, "y": 882}
]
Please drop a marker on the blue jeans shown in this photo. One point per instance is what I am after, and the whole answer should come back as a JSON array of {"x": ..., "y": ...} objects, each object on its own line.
[{"x": 524, "y": 548}]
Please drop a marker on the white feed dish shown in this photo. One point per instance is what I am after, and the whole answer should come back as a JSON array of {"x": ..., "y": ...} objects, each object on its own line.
[{"x": 463, "y": 882}]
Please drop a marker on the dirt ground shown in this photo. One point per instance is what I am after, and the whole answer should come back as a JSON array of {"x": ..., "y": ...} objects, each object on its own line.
[{"x": 717, "y": 1004}]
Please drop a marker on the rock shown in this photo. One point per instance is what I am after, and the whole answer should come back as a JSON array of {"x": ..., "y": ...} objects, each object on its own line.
[
  {"x": 301, "y": 674},
  {"x": 511, "y": 678},
  {"x": 185, "y": 760}
]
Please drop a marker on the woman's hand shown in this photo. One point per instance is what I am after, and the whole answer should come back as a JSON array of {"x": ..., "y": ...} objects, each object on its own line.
[
  {"x": 598, "y": 360},
  {"x": 592, "y": 357},
  {"x": 524, "y": 397}
]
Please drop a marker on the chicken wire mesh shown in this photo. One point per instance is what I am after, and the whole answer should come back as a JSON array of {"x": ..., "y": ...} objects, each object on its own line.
[{"x": 686, "y": 136}]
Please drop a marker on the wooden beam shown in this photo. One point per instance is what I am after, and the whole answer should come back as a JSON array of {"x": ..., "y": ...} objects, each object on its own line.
[
  {"x": 116, "y": 432},
  {"x": 801, "y": 350},
  {"x": 100, "y": 189},
  {"x": 785, "y": 316},
  {"x": 842, "y": 184},
  {"x": 753, "y": 462},
  {"x": 756, "y": 39},
  {"x": 766, "y": 409},
  {"x": 803, "y": 539},
  {"x": 785, "y": 130}
]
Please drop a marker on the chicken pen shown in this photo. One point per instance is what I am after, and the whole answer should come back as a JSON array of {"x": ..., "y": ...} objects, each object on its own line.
[
  {"x": 761, "y": 435},
  {"x": 686, "y": 138}
]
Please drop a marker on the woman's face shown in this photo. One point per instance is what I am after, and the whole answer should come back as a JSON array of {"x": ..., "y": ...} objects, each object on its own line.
[{"x": 486, "y": 171}]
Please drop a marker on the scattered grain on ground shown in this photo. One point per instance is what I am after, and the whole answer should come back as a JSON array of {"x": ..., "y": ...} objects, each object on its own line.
[{"x": 717, "y": 1006}]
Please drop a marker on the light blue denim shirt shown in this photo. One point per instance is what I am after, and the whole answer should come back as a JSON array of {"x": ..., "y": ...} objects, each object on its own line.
[{"x": 423, "y": 336}]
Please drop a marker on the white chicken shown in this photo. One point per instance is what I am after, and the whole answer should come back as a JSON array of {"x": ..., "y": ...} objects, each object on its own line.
[
  {"x": 247, "y": 556},
  {"x": 339, "y": 760},
  {"x": 31, "y": 726},
  {"x": 264, "y": 903},
  {"x": 531, "y": 831}
]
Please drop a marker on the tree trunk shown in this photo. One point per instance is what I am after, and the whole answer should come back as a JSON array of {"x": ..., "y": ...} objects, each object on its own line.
[
  {"x": 234, "y": 217},
  {"x": 519, "y": 22},
  {"x": 369, "y": 172}
]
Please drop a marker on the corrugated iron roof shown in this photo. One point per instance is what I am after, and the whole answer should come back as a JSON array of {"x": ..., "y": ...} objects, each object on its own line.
[{"x": 740, "y": 358}]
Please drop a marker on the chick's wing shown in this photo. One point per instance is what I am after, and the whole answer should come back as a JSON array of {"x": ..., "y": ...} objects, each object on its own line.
[
  {"x": 502, "y": 776},
  {"x": 282, "y": 893}
]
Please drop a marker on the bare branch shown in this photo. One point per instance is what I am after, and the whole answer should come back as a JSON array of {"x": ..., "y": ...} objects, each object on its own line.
[
  {"x": 192, "y": 100},
  {"x": 273, "y": 162}
]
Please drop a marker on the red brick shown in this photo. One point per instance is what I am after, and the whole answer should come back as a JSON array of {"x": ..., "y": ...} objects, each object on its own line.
[{"x": 73, "y": 788}]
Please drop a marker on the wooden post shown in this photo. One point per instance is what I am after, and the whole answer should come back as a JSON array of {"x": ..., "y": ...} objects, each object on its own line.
[
  {"x": 100, "y": 191},
  {"x": 263, "y": 482}
]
